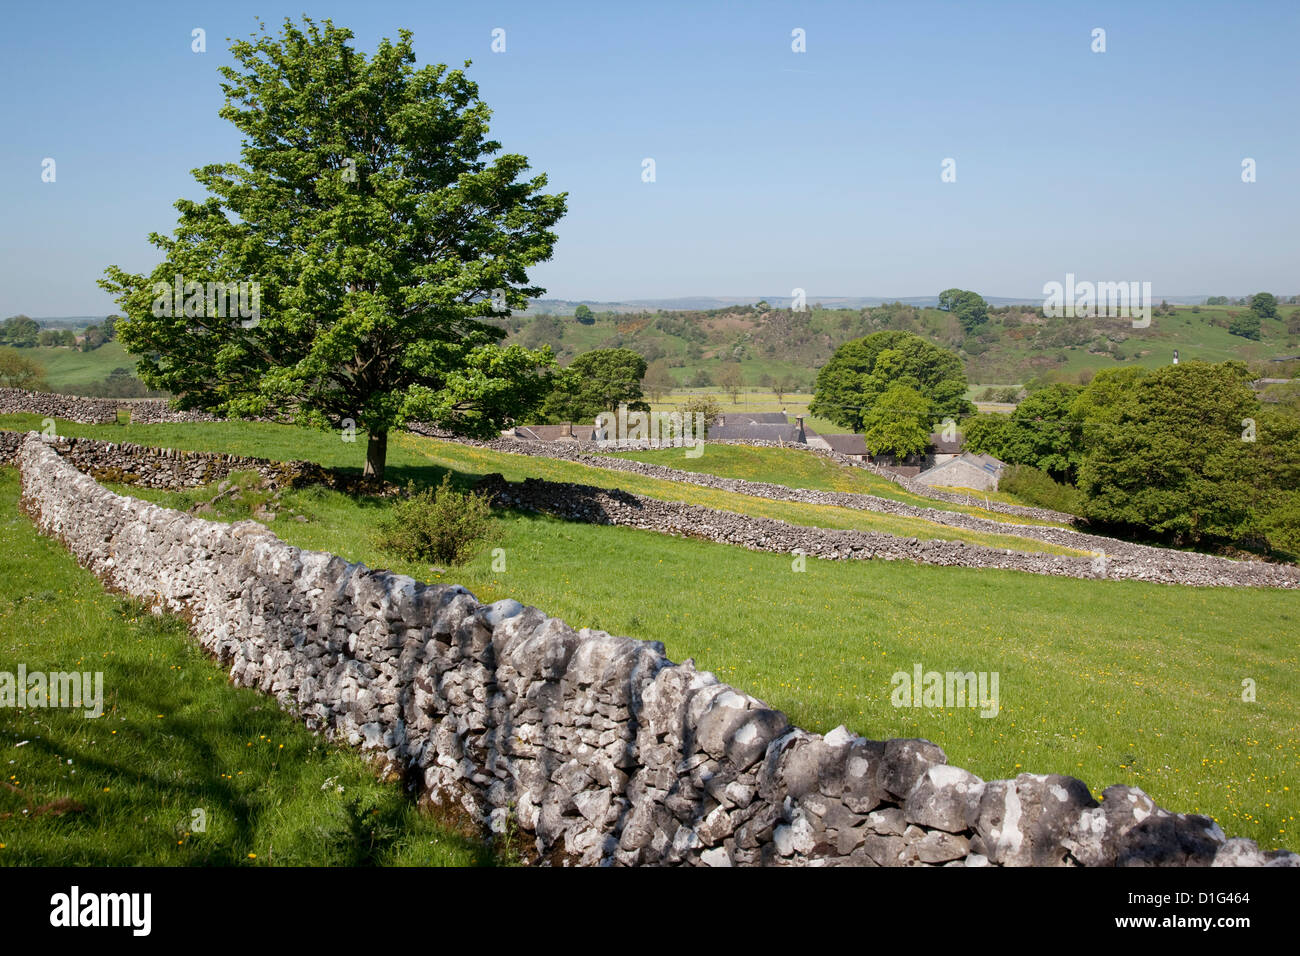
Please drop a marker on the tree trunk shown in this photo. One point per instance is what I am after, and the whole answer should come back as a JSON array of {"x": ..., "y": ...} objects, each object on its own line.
[{"x": 376, "y": 454}]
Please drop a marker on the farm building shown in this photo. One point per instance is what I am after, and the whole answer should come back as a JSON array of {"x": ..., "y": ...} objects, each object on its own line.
[{"x": 967, "y": 470}]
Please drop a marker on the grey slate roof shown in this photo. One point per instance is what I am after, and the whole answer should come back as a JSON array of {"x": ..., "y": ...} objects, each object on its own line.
[
  {"x": 846, "y": 444},
  {"x": 749, "y": 431}
]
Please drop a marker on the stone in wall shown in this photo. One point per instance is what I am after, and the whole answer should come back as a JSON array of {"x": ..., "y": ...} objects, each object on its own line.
[{"x": 598, "y": 747}]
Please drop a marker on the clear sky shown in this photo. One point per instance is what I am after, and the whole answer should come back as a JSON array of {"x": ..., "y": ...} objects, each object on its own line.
[{"x": 774, "y": 169}]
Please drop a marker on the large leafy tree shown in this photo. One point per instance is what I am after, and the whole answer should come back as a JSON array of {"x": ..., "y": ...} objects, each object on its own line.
[
  {"x": 20, "y": 331},
  {"x": 862, "y": 370},
  {"x": 596, "y": 381},
  {"x": 381, "y": 224},
  {"x": 898, "y": 423},
  {"x": 1264, "y": 305},
  {"x": 1165, "y": 451},
  {"x": 18, "y": 371},
  {"x": 1043, "y": 431},
  {"x": 969, "y": 307}
]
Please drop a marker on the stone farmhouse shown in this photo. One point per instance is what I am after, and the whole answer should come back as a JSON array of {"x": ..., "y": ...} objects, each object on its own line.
[{"x": 967, "y": 470}]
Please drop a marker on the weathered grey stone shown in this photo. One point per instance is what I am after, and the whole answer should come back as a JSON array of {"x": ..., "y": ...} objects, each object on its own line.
[
  {"x": 938, "y": 847},
  {"x": 905, "y": 761},
  {"x": 1025, "y": 822},
  {"x": 1170, "y": 840},
  {"x": 945, "y": 798}
]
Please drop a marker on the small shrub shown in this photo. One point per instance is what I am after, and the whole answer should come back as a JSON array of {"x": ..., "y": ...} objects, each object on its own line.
[
  {"x": 1036, "y": 487},
  {"x": 442, "y": 525}
]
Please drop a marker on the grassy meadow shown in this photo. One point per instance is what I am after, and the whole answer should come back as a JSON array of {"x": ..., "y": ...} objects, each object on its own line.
[
  {"x": 411, "y": 456},
  {"x": 174, "y": 737},
  {"x": 1113, "y": 682},
  {"x": 799, "y": 469},
  {"x": 70, "y": 366}
]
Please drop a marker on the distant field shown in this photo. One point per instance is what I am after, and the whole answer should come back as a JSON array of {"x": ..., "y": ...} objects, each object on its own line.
[
  {"x": 800, "y": 469},
  {"x": 793, "y": 404},
  {"x": 282, "y": 442},
  {"x": 67, "y": 366}
]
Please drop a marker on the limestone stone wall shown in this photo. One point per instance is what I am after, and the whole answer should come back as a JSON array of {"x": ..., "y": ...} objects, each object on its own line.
[
  {"x": 597, "y": 747},
  {"x": 131, "y": 464},
  {"x": 94, "y": 411},
  {"x": 73, "y": 408},
  {"x": 1119, "y": 560}
]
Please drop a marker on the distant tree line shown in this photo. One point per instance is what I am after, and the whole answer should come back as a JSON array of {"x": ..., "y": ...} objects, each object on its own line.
[
  {"x": 24, "y": 332},
  {"x": 1183, "y": 453}
]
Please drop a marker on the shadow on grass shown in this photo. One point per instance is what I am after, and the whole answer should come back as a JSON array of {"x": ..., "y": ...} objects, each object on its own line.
[{"x": 184, "y": 746}]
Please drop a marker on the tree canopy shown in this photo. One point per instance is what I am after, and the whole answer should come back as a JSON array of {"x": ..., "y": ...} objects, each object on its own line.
[
  {"x": 20, "y": 331},
  {"x": 1043, "y": 432},
  {"x": 969, "y": 307},
  {"x": 596, "y": 381},
  {"x": 1166, "y": 452},
  {"x": 1264, "y": 305},
  {"x": 862, "y": 370},
  {"x": 19, "y": 371},
  {"x": 378, "y": 222},
  {"x": 898, "y": 423}
]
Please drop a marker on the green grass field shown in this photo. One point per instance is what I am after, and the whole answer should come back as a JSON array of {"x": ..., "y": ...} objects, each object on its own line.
[
  {"x": 1113, "y": 682},
  {"x": 800, "y": 469},
  {"x": 68, "y": 366},
  {"x": 410, "y": 456},
  {"x": 175, "y": 737}
]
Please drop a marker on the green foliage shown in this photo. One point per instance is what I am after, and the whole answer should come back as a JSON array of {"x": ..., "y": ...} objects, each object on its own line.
[
  {"x": 986, "y": 433},
  {"x": 1036, "y": 487},
  {"x": 596, "y": 381},
  {"x": 731, "y": 380},
  {"x": 701, "y": 405},
  {"x": 1165, "y": 452},
  {"x": 381, "y": 223},
  {"x": 898, "y": 423},
  {"x": 19, "y": 371},
  {"x": 584, "y": 315},
  {"x": 1006, "y": 394},
  {"x": 658, "y": 381},
  {"x": 862, "y": 370},
  {"x": 1043, "y": 431},
  {"x": 1264, "y": 305},
  {"x": 969, "y": 307},
  {"x": 20, "y": 331},
  {"x": 92, "y": 338},
  {"x": 1246, "y": 324},
  {"x": 443, "y": 525}
]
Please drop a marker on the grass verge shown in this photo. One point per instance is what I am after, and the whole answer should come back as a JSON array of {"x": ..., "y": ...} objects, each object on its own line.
[{"x": 174, "y": 738}]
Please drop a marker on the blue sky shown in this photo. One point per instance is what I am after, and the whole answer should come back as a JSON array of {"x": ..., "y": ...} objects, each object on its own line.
[{"x": 774, "y": 169}]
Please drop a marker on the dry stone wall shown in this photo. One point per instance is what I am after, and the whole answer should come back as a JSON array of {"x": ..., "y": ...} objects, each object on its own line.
[
  {"x": 131, "y": 464},
  {"x": 127, "y": 463},
  {"x": 1122, "y": 561},
  {"x": 597, "y": 747},
  {"x": 95, "y": 411},
  {"x": 73, "y": 408}
]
